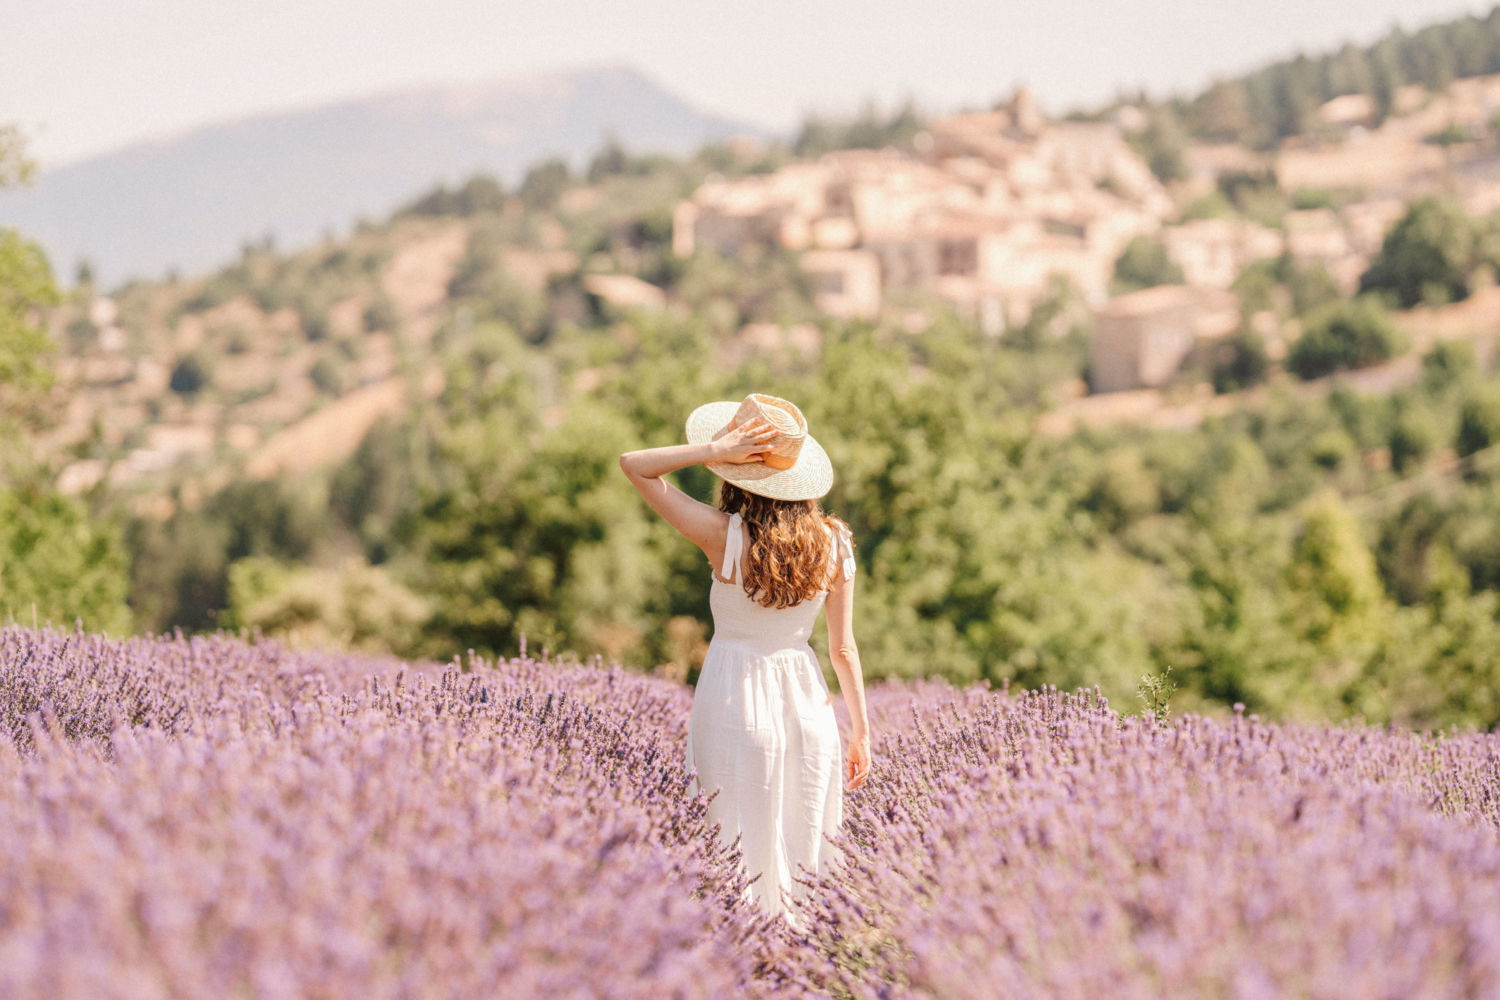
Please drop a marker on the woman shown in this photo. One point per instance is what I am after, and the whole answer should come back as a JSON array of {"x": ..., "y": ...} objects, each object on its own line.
[{"x": 763, "y": 731}]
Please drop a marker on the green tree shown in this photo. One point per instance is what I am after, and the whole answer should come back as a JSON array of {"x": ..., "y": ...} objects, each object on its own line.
[
  {"x": 483, "y": 282},
  {"x": 1230, "y": 644},
  {"x": 1256, "y": 194},
  {"x": 545, "y": 183},
  {"x": 55, "y": 562},
  {"x": 330, "y": 373},
  {"x": 548, "y": 543},
  {"x": 180, "y": 567},
  {"x": 356, "y": 606},
  {"x": 15, "y": 166},
  {"x": 1449, "y": 363},
  {"x": 1308, "y": 285},
  {"x": 1345, "y": 335},
  {"x": 1145, "y": 263},
  {"x": 614, "y": 161},
  {"x": 1407, "y": 537},
  {"x": 1311, "y": 285},
  {"x": 1479, "y": 421},
  {"x": 867, "y": 130},
  {"x": 1059, "y": 312},
  {"x": 26, "y": 288},
  {"x": 1220, "y": 113},
  {"x": 1163, "y": 144},
  {"x": 1414, "y": 439},
  {"x": 480, "y": 193},
  {"x": 375, "y": 488},
  {"x": 1240, "y": 362},
  {"x": 58, "y": 565},
  {"x": 1123, "y": 491},
  {"x": 1429, "y": 255},
  {"x": 1332, "y": 566},
  {"x": 1281, "y": 99},
  {"x": 191, "y": 375},
  {"x": 1438, "y": 663}
]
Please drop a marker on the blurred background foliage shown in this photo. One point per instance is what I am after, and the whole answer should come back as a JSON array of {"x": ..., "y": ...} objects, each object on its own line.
[
  {"x": 1319, "y": 554},
  {"x": 58, "y": 563},
  {"x": 1263, "y": 557}
]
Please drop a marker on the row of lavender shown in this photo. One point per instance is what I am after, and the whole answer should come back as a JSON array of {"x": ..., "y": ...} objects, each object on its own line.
[{"x": 208, "y": 818}]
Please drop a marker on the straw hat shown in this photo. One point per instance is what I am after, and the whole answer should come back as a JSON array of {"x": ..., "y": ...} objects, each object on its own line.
[{"x": 796, "y": 467}]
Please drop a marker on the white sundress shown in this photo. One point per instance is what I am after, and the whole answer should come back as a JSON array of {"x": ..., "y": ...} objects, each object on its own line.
[{"x": 763, "y": 731}]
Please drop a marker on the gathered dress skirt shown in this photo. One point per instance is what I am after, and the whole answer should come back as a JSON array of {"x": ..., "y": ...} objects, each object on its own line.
[{"x": 763, "y": 734}]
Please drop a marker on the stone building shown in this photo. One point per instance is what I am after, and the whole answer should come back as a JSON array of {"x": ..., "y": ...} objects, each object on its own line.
[
  {"x": 845, "y": 283},
  {"x": 1141, "y": 340},
  {"x": 1213, "y": 252}
]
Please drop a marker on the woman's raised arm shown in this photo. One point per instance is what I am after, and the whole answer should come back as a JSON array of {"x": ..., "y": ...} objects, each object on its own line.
[{"x": 698, "y": 522}]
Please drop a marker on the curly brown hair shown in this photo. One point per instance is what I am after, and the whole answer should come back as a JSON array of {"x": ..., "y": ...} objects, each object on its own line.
[{"x": 789, "y": 557}]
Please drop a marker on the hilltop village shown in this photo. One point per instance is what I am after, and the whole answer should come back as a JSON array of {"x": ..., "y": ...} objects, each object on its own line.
[{"x": 988, "y": 210}]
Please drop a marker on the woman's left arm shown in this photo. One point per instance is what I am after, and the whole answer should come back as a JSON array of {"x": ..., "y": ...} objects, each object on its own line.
[
  {"x": 699, "y": 523},
  {"x": 844, "y": 653}
]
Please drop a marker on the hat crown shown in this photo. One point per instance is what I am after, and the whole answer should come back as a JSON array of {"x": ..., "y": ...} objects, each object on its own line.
[
  {"x": 792, "y": 465},
  {"x": 790, "y": 424}
]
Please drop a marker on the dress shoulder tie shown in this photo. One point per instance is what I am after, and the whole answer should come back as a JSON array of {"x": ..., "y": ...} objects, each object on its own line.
[
  {"x": 734, "y": 544},
  {"x": 843, "y": 554}
]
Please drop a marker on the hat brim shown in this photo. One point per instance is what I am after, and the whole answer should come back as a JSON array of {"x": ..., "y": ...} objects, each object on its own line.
[{"x": 810, "y": 478}]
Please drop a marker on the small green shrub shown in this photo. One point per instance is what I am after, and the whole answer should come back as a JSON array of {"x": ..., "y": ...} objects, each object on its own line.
[
  {"x": 330, "y": 374},
  {"x": 1414, "y": 439},
  {"x": 1240, "y": 362},
  {"x": 1479, "y": 422},
  {"x": 1145, "y": 264},
  {"x": 192, "y": 375},
  {"x": 1427, "y": 256},
  {"x": 1344, "y": 335}
]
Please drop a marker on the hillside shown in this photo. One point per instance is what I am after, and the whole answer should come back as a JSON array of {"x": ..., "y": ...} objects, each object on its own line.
[
  {"x": 281, "y": 362},
  {"x": 284, "y": 361},
  {"x": 1281, "y": 101},
  {"x": 188, "y": 203}
]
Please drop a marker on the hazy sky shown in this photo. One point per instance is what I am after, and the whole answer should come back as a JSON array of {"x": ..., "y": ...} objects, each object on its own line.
[{"x": 91, "y": 75}]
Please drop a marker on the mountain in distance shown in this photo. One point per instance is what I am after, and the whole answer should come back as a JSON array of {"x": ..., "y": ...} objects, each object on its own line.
[{"x": 190, "y": 202}]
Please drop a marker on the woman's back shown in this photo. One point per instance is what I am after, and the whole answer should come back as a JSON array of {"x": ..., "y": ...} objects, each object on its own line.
[{"x": 741, "y": 620}]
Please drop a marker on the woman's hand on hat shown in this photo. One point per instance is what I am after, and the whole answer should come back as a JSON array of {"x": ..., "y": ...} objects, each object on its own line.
[{"x": 745, "y": 445}]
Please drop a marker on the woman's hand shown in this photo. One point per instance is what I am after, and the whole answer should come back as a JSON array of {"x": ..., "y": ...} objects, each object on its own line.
[
  {"x": 745, "y": 445},
  {"x": 858, "y": 764}
]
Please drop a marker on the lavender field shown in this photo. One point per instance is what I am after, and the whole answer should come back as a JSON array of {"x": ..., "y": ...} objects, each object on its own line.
[{"x": 206, "y": 818}]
